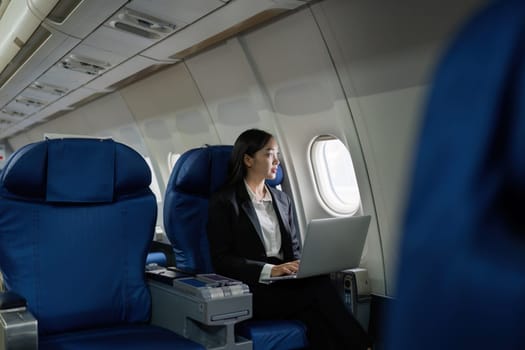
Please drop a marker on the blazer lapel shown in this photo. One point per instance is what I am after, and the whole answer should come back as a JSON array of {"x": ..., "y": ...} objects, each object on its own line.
[
  {"x": 247, "y": 206},
  {"x": 282, "y": 210}
]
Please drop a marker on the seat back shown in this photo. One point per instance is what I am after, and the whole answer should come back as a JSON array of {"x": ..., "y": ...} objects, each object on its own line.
[
  {"x": 76, "y": 220},
  {"x": 462, "y": 258},
  {"x": 196, "y": 176}
]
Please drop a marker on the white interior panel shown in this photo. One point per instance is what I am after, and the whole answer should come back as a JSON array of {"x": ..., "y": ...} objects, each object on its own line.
[
  {"x": 73, "y": 124},
  {"x": 107, "y": 116},
  {"x": 390, "y": 141},
  {"x": 102, "y": 119},
  {"x": 229, "y": 88},
  {"x": 174, "y": 119},
  {"x": 126, "y": 69},
  {"x": 66, "y": 125},
  {"x": 18, "y": 141}
]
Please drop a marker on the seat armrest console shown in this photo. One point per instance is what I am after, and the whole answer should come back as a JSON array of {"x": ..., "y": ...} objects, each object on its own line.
[
  {"x": 18, "y": 327},
  {"x": 203, "y": 308}
]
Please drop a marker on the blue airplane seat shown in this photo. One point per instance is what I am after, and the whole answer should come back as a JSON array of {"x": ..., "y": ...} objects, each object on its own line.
[
  {"x": 195, "y": 177},
  {"x": 461, "y": 283},
  {"x": 158, "y": 258},
  {"x": 76, "y": 220}
]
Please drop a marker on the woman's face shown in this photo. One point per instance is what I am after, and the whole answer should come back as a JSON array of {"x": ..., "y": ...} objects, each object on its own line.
[{"x": 263, "y": 164}]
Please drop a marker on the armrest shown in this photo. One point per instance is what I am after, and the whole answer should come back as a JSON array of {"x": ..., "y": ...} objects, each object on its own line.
[
  {"x": 198, "y": 313},
  {"x": 11, "y": 300},
  {"x": 18, "y": 327}
]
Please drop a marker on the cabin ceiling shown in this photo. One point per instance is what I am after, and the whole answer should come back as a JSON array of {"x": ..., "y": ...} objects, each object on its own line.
[{"x": 56, "y": 55}]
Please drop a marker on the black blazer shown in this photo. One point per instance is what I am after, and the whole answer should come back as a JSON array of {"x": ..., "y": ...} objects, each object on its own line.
[{"x": 235, "y": 237}]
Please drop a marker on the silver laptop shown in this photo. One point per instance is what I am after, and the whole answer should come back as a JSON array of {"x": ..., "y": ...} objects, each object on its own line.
[{"x": 331, "y": 245}]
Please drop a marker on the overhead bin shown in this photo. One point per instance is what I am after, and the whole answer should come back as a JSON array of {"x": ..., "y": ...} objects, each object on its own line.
[
  {"x": 41, "y": 51},
  {"x": 41, "y": 43},
  {"x": 76, "y": 18},
  {"x": 74, "y": 48},
  {"x": 17, "y": 25},
  {"x": 59, "y": 107}
]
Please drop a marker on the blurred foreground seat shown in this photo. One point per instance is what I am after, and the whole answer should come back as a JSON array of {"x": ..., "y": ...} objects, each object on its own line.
[{"x": 462, "y": 274}]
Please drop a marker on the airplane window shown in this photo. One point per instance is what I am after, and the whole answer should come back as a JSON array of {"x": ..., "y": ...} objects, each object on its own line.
[
  {"x": 172, "y": 159},
  {"x": 334, "y": 175},
  {"x": 154, "y": 183}
]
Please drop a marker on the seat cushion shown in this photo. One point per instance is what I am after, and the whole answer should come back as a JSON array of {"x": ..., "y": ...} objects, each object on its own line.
[
  {"x": 130, "y": 337},
  {"x": 274, "y": 334}
]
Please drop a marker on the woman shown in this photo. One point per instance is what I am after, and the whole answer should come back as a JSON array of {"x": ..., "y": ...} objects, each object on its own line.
[{"x": 252, "y": 235}]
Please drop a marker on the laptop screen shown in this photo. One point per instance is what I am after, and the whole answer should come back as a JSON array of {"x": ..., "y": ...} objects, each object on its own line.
[{"x": 331, "y": 245}]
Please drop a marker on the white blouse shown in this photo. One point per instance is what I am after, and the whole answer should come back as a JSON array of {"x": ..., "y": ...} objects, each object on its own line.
[{"x": 270, "y": 229}]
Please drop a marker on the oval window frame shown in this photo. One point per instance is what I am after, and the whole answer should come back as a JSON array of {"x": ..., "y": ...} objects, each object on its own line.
[{"x": 328, "y": 191}]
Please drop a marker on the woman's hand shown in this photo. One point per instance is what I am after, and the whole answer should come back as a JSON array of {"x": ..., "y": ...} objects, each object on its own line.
[{"x": 285, "y": 269}]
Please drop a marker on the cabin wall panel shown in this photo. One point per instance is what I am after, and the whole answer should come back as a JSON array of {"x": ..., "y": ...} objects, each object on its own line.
[
  {"x": 102, "y": 119},
  {"x": 18, "y": 140},
  {"x": 230, "y": 90},
  {"x": 385, "y": 53},
  {"x": 73, "y": 124},
  {"x": 170, "y": 114}
]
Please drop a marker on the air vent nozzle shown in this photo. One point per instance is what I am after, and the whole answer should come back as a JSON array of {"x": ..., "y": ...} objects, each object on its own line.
[
  {"x": 141, "y": 24},
  {"x": 48, "y": 89},
  {"x": 84, "y": 65},
  {"x": 15, "y": 115},
  {"x": 30, "y": 102}
]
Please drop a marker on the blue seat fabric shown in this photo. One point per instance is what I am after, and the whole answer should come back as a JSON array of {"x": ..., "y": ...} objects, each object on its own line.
[
  {"x": 195, "y": 177},
  {"x": 462, "y": 266},
  {"x": 158, "y": 258},
  {"x": 274, "y": 335},
  {"x": 76, "y": 220},
  {"x": 130, "y": 337}
]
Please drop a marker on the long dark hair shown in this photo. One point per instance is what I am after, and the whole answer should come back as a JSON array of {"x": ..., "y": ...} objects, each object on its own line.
[{"x": 249, "y": 142}]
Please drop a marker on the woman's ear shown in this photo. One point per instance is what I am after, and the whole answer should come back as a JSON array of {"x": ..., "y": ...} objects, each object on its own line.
[{"x": 248, "y": 161}]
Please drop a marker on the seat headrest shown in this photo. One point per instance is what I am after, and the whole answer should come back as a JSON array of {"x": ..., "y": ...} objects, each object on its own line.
[
  {"x": 201, "y": 171},
  {"x": 278, "y": 178},
  {"x": 74, "y": 170}
]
